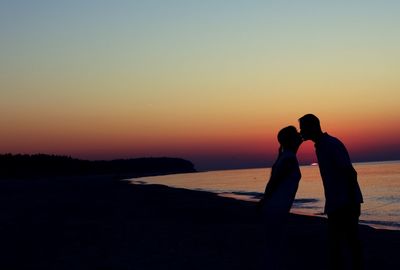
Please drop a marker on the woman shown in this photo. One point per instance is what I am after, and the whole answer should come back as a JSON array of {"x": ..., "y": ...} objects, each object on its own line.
[{"x": 280, "y": 192}]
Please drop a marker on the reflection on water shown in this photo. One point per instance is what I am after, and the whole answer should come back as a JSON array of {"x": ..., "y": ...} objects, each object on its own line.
[{"x": 379, "y": 181}]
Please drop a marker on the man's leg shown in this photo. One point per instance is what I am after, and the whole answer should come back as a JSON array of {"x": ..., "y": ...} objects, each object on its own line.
[
  {"x": 335, "y": 236},
  {"x": 352, "y": 236}
]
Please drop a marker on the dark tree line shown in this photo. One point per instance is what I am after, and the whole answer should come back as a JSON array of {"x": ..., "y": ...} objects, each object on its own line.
[{"x": 39, "y": 165}]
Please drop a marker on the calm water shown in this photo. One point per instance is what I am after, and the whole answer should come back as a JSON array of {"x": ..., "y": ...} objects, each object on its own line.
[{"x": 379, "y": 181}]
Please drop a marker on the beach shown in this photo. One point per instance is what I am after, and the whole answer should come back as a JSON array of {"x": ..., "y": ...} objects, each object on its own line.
[{"x": 105, "y": 222}]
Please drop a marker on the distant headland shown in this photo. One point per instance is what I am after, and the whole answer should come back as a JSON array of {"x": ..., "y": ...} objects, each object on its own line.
[{"x": 43, "y": 165}]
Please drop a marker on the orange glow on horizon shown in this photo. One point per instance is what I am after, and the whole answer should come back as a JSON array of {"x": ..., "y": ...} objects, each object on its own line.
[{"x": 211, "y": 85}]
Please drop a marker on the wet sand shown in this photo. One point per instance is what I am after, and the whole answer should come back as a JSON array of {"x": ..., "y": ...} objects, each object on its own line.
[{"x": 106, "y": 223}]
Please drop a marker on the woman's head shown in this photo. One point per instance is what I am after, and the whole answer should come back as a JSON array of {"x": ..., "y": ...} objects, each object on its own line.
[{"x": 289, "y": 138}]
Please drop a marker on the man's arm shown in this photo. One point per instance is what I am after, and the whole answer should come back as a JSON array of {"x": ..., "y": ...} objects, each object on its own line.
[{"x": 342, "y": 160}]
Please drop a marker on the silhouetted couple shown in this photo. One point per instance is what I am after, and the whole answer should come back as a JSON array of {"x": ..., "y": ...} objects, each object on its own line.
[{"x": 342, "y": 193}]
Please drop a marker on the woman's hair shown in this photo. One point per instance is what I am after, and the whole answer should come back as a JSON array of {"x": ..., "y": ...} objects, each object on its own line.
[{"x": 286, "y": 136}]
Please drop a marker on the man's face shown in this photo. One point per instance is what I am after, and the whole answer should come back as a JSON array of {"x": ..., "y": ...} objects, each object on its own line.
[{"x": 305, "y": 132}]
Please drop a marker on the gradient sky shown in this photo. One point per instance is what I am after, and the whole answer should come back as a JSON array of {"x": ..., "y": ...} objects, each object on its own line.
[{"x": 210, "y": 81}]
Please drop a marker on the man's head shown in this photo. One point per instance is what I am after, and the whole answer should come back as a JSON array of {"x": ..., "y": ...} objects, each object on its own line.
[{"x": 310, "y": 128}]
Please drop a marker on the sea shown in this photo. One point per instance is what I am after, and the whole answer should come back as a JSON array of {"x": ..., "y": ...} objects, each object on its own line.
[{"x": 379, "y": 182}]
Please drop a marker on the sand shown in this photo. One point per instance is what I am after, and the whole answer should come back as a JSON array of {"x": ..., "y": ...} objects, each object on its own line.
[{"x": 106, "y": 223}]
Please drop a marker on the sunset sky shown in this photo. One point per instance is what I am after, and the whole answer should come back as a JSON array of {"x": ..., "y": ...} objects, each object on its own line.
[{"x": 209, "y": 81}]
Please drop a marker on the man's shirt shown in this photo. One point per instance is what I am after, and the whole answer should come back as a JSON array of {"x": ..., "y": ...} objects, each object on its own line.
[{"x": 338, "y": 175}]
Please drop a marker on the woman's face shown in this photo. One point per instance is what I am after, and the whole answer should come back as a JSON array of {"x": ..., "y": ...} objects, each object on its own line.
[
  {"x": 293, "y": 142},
  {"x": 290, "y": 138},
  {"x": 297, "y": 139}
]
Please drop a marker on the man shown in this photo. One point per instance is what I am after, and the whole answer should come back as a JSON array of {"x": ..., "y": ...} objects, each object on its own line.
[{"x": 342, "y": 192}]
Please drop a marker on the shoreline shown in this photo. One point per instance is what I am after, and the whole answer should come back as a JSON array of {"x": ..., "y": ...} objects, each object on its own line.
[
  {"x": 108, "y": 223},
  {"x": 309, "y": 200},
  {"x": 379, "y": 225}
]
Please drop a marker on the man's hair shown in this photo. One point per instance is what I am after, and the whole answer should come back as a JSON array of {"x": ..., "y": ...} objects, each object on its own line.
[{"x": 310, "y": 120}]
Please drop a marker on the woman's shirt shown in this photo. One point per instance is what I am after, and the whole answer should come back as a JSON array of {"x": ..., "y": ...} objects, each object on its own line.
[{"x": 283, "y": 184}]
